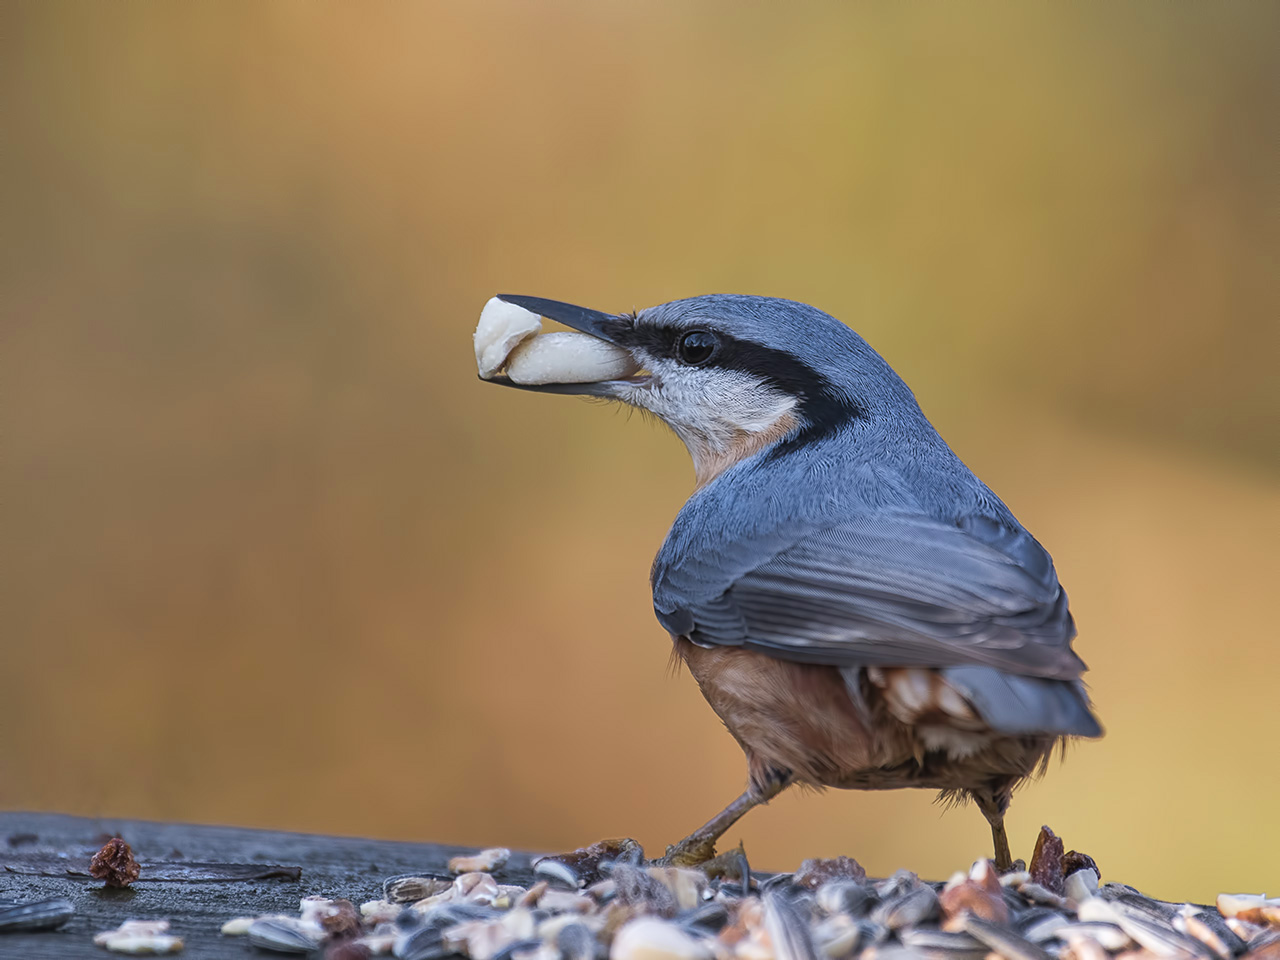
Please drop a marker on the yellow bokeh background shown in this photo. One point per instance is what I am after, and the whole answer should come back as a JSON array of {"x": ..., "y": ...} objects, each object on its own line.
[{"x": 272, "y": 556}]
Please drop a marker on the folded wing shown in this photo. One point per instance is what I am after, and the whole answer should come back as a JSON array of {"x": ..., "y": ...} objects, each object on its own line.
[{"x": 894, "y": 589}]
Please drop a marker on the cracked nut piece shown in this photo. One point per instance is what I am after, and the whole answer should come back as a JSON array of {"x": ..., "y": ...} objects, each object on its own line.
[
  {"x": 501, "y": 328},
  {"x": 565, "y": 357},
  {"x": 139, "y": 936},
  {"x": 486, "y": 861}
]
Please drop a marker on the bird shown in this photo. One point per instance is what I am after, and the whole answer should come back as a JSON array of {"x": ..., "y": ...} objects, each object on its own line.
[{"x": 857, "y": 607}]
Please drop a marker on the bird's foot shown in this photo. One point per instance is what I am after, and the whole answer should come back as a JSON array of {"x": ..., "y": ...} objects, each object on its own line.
[
  {"x": 732, "y": 864},
  {"x": 700, "y": 852},
  {"x": 692, "y": 851}
]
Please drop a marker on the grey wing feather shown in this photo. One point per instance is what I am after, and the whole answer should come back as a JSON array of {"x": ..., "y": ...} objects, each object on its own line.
[{"x": 886, "y": 589}]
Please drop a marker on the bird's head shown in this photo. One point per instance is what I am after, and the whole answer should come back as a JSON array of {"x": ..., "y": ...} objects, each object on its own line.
[{"x": 735, "y": 375}]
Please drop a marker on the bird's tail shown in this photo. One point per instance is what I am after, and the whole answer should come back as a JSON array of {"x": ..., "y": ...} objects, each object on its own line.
[{"x": 1014, "y": 704}]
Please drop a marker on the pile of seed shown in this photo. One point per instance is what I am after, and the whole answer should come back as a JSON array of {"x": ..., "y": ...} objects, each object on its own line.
[{"x": 605, "y": 901}]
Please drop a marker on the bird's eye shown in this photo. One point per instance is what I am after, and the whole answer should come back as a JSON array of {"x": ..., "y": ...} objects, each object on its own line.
[{"x": 697, "y": 347}]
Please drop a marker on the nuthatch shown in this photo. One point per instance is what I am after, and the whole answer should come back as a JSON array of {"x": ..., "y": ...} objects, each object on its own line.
[{"x": 858, "y": 608}]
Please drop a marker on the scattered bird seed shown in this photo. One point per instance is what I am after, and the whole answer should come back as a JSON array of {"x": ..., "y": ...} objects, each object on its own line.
[
  {"x": 1210, "y": 929},
  {"x": 1004, "y": 941},
  {"x": 908, "y": 909},
  {"x": 114, "y": 864},
  {"x": 557, "y": 871},
  {"x": 816, "y": 873},
  {"x": 1046, "y": 867},
  {"x": 1073, "y": 861},
  {"x": 375, "y": 912},
  {"x": 476, "y": 887},
  {"x": 285, "y": 934},
  {"x": 901, "y": 882},
  {"x": 1044, "y": 927},
  {"x": 423, "y": 943},
  {"x": 579, "y": 868},
  {"x": 1253, "y": 908},
  {"x": 637, "y": 887},
  {"x": 140, "y": 937},
  {"x": 1245, "y": 930},
  {"x": 31, "y": 917},
  {"x": 846, "y": 897},
  {"x": 486, "y": 939},
  {"x": 565, "y": 901},
  {"x": 892, "y": 951},
  {"x": 1265, "y": 944},
  {"x": 606, "y": 902},
  {"x": 873, "y": 932},
  {"x": 348, "y": 950},
  {"x": 788, "y": 927},
  {"x": 956, "y": 944},
  {"x": 648, "y": 938},
  {"x": 237, "y": 927},
  {"x": 487, "y": 861},
  {"x": 1109, "y": 936},
  {"x": 979, "y": 893},
  {"x": 685, "y": 885},
  {"x": 1081, "y": 884},
  {"x": 577, "y": 942},
  {"x": 1155, "y": 935},
  {"x": 1084, "y": 948},
  {"x": 1040, "y": 894},
  {"x": 837, "y": 936},
  {"x": 410, "y": 888}
]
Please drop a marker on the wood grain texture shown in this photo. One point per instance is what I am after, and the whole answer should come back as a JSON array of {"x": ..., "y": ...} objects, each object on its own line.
[{"x": 32, "y": 845}]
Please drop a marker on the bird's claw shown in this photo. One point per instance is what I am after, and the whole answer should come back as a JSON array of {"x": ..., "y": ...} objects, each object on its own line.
[
  {"x": 700, "y": 852},
  {"x": 692, "y": 851}
]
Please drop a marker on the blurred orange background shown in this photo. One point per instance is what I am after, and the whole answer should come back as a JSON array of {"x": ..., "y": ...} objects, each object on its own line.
[{"x": 273, "y": 556}]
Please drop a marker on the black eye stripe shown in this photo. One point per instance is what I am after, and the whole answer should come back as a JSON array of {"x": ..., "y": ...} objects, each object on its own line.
[
  {"x": 823, "y": 408},
  {"x": 778, "y": 367},
  {"x": 656, "y": 341}
]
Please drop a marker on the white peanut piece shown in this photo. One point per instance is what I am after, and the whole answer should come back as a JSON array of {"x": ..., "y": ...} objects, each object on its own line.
[
  {"x": 568, "y": 358},
  {"x": 509, "y": 336},
  {"x": 500, "y": 329}
]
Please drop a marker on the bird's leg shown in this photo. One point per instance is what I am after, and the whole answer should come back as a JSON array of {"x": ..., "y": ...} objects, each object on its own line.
[
  {"x": 1004, "y": 860},
  {"x": 993, "y": 807},
  {"x": 700, "y": 846}
]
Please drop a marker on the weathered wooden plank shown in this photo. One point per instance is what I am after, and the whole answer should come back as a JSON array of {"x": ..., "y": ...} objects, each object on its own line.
[{"x": 33, "y": 846}]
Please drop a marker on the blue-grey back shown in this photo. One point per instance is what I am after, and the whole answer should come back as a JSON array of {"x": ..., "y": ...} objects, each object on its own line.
[{"x": 872, "y": 543}]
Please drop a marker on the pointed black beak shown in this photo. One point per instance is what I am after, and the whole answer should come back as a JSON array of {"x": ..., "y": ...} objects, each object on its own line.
[
  {"x": 593, "y": 322},
  {"x": 590, "y": 389},
  {"x": 579, "y": 318}
]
